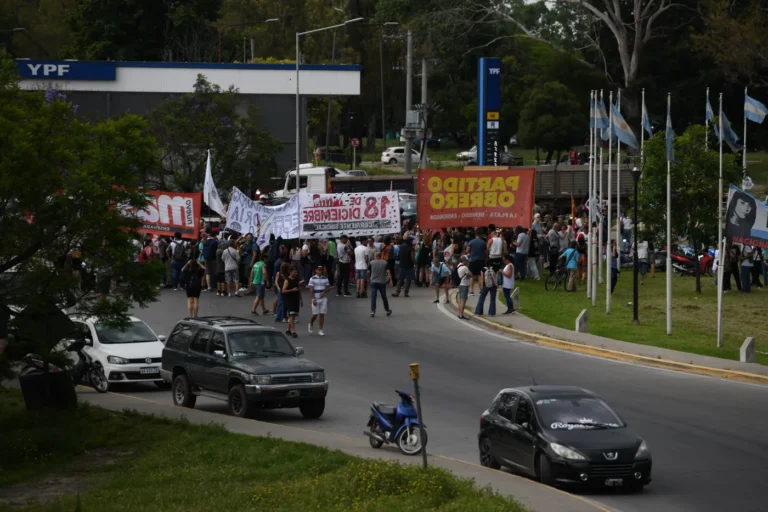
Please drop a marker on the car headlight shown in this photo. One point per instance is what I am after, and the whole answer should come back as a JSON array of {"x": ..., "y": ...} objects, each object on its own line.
[
  {"x": 116, "y": 360},
  {"x": 642, "y": 451},
  {"x": 318, "y": 377},
  {"x": 261, "y": 379},
  {"x": 566, "y": 453}
]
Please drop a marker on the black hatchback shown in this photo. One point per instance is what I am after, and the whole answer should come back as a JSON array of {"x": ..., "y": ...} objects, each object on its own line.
[{"x": 562, "y": 435}]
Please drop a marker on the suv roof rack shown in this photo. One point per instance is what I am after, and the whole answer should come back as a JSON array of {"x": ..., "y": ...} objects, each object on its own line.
[{"x": 230, "y": 320}]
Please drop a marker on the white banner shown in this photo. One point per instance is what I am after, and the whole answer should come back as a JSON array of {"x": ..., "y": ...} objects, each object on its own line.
[
  {"x": 356, "y": 214},
  {"x": 249, "y": 216}
]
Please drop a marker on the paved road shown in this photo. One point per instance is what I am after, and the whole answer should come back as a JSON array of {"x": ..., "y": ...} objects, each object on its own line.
[{"x": 706, "y": 435}]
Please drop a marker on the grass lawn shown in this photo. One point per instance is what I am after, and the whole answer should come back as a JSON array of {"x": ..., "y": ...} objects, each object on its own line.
[
  {"x": 126, "y": 461},
  {"x": 694, "y": 317}
]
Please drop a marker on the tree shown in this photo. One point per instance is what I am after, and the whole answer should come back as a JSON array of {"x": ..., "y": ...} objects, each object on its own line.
[
  {"x": 60, "y": 179},
  {"x": 695, "y": 175},
  {"x": 186, "y": 126},
  {"x": 552, "y": 119}
]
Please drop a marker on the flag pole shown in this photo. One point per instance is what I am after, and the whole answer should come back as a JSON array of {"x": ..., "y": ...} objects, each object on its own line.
[
  {"x": 593, "y": 211},
  {"x": 593, "y": 122},
  {"x": 706, "y": 126},
  {"x": 642, "y": 126},
  {"x": 608, "y": 276},
  {"x": 618, "y": 184},
  {"x": 669, "y": 227},
  {"x": 720, "y": 239},
  {"x": 744, "y": 155},
  {"x": 600, "y": 209}
]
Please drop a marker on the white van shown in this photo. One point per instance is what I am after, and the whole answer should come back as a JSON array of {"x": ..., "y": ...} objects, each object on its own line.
[{"x": 314, "y": 179}]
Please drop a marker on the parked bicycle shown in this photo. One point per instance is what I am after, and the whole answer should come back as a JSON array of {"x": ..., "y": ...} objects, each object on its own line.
[{"x": 553, "y": 280}]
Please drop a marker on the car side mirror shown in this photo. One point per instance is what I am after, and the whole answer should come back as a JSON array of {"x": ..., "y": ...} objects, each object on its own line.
[
  {"x": 219, "y": 353},
  {"x": 299, "y": 351},
  {"x": 162, "y": 338}
]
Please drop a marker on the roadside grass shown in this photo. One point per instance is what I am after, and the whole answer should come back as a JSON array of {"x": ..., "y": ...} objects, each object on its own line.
[
  {"x": 694, "y": 317},
  {"x": 177, "y": 466}
]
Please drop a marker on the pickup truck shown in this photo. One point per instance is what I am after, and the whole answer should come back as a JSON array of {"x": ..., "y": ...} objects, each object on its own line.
[{"x": 243, "y": 363}]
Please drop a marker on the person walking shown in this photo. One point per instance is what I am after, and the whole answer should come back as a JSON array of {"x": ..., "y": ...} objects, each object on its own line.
[
  {"x": 407, "y": 272},
  {"x": 292, "y": 300},
  {"x": 361, "y": 269},
  {"x": 571, "y": 257},
  {"x": 178, "y": 257},
  {"x": 553, "y": 240},
  {"x": 231, "y": 258},
  {"x": 330, "y": 260},
  {"x": 280, "y": 278},
  {"x": 508, "y": 283},
  {"x": 521, "y": 252},
  {"x": 195, "y": 271},
  {"x": 319, "y": 286},
  {"x": 379, "y": 281},
  {"x": 614, "y": 266},
  {"x": 344, "y": 256},
  {"x": 442, "y": 278},
  {"x": 464, "y": 277},
  {"x": 220, "y": 276},
  {"x": 477, "y": 250},
  {"x": 258, "y": 278},
  {"x": 490, "y": 286}
]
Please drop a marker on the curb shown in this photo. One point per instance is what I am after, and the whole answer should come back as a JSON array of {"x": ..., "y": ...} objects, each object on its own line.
[{"x": 616, "y": 355}]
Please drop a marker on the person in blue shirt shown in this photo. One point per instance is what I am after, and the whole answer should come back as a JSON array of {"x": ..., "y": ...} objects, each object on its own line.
[
  {"x": 571, "y": 257},
  {"x": 477, "y": 249},
  {"x": 442, "y": 274}
]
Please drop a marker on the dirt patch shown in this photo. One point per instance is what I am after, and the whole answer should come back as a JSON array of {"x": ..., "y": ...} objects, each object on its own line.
[{"x": 73, "y": 479}]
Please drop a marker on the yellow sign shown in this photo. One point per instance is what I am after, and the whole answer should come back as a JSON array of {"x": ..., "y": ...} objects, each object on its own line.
[
  {"x": 492, "y": 116},
  {"x": 414, "y": 371}
]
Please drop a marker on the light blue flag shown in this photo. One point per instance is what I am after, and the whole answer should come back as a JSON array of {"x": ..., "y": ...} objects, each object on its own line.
[
  {"x": 601, "y": 116},
  {"x": 729, "y": 136},
  {"x": 622, "y": 130},
  {"x": 670, "y": 138},
  {"x": 710, "y": 112},
  {"x": 647, "y": 121},
  {"x": 754, "y": 110}
]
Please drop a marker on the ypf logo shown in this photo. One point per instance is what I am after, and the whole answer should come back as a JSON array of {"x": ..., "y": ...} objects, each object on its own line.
[
  {"x": 494, "y": 71},
  {"x": 48, "y": 69}
]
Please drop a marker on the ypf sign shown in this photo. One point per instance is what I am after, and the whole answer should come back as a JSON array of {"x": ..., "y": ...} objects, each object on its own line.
[
  {"x": 66, "y": 70},
  {"x": 489, "y": 109}
]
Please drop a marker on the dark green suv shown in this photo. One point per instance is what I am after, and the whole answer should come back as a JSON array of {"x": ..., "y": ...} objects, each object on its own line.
[{"x": 242, "y": 362}]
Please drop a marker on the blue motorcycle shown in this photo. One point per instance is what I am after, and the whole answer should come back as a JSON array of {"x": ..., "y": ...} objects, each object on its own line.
[{"x": 397, "y": 424}]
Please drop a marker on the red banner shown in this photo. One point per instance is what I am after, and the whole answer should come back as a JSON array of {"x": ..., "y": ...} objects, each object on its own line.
[
  {"x": 169, "y": 212},
  {"x": 476, "y": 198}
]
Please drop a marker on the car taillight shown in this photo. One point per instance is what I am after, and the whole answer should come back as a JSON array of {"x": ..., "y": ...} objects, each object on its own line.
[
  {"x": 482, "y": 420},
  {"x": 387, "y": 154}
]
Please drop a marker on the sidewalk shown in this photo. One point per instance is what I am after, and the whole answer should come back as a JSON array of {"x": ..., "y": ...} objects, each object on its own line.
[
  {"x": 520, "y": 325},
  {"x": 531, "y": 494}
]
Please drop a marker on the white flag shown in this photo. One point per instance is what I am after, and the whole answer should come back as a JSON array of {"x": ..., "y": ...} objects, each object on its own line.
[{"x": 210, "y": 194}]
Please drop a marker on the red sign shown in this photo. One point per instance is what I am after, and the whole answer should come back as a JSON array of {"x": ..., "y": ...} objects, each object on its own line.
[
  {"x": 169, "y": 212},
  {"x": 354, "y": 142},
  {"x": 476, "y": 198}
]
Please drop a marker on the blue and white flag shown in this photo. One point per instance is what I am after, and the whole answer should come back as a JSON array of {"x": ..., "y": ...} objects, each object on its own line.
[
  {"x": 754, "y": 110},
  {"x": 601, "y": 117},
  {"x": 710, "y": 112},
  {"x": 647, "y": 121},
  {"x": 729, "y": 136},
  {"x": 622, "y": 130},
  {"x": 670, "y": 138}
]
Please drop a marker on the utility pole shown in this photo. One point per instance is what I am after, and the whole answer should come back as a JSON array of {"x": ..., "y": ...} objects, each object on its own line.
[
  {"x": 408, "y": 102},
  {"x": 381, "y": 73},
  {"x": 424, "y": 114}
]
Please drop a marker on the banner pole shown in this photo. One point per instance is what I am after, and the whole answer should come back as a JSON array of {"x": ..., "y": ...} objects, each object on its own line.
[
  {"x": 591, "y": 199},
  {"x": 669, "y": 230},
  {"x": 599, "y": 213},
  {"x": 608, "y": 251},
  {"x": 720, "y": 237}
]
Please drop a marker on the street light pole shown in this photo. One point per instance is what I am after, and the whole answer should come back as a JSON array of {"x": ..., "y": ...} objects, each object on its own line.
[
  {"x": 225, "y": 27},
  {"x": 298, "y": 101},
  {"x": 636, "y": 177},
  {"x": 408, "y": 101}
]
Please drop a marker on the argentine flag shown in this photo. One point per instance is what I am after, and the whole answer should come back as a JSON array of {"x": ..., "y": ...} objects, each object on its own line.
[
  {"x": 622, "y": 130},
  {"x": 754, "y": 110},
  {"x": 670, "y": 139},
  {"x": 646, "y": 121}
]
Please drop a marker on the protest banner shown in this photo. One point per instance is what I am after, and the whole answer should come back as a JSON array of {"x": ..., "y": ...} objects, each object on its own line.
[
  {"x": 746, "y": 219},
  {"x": 355, "y": 214},
  {"x": 475, "y": 198},
  {"x": 169, "y": 212},
  {"x": 248, "y": 216}
]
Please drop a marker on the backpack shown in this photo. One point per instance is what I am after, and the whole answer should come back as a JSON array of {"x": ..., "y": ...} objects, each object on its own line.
[
  {"x": 178, "y": 251},
  {"x": 209, "y": 249},
  {"x": 489, "y": 278}
]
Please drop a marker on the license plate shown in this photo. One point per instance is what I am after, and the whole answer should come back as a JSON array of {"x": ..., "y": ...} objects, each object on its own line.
[
  {"x": 614, "y": 482},
  {"x": 293, "y": 394},
  {"x": 149, "y": 370}
]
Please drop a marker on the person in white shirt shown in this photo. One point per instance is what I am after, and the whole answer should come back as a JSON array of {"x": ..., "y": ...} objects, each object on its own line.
[
  {"x": 318, "y": 289},
  {"x": 496, "y": 246},
  {"x": 464, "y": 278},
  {"x": 361, "y": 269},
  {"x": 508, "y": 283}
]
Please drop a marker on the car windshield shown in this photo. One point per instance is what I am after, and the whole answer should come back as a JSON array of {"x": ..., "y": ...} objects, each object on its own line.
[
  {"x": 408, "y": 206},
  {"x": 259, "y": 344},
  {"x": 579, "y": 413},
  {"x": 137, "y": 332}
]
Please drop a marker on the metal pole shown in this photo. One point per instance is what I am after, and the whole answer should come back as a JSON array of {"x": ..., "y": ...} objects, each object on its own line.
[
  {"x": 417, "y": 391},
  {"x": 720, "y": 238},
  {"x": 608, "y": 251},
  {"x": 424, "y": 114},
  {"x": 591, "y": 197},
  {"x": 593, "y": 210},
  {"x": 635, "y": 269},
  {"x": 408, "y": 101},
  {"x": 706, "y": 130},
  {"x": 669, "y": 230},
  {"x": 245, "y": 55},
  {"x": 253, "y": 52},
  {"x": 600, "y": 209},
  {"x": 619, "y": 233},
  {"x": 328, "y": 119},
  {"x": 642, "y": 127},
  {"x": 298, "y": 117},
  {"x": 744, "y": 153},
  {"x": 381, "y": 73}
]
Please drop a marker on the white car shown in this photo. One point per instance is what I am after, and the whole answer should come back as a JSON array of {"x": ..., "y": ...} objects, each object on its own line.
[
  {"x": 133, "y": 355},
  {"x": 396, "y": 155},
  {"x": 467, "y": 155}
]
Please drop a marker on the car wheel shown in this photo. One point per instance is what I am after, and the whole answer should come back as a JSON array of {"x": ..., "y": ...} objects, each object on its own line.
[
  {"x": 162, "y": 384},
  {"x": 312, "y": 408},
  {"x": 486, "y": 455},
  {"x": 545, "y": 470},
  {"x": 98, "y": 379},
  {"x": 238, "y": 401},
  {"x": 393, "y": 161},
  {"x": 182, "y": 392}
]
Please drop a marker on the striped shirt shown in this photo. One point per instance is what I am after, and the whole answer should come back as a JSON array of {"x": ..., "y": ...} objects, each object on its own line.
[{"x": 319, "y": 284}]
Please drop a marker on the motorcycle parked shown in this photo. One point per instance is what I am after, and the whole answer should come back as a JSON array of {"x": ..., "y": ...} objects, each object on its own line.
[
  {"x": 397, "y": 424},
  {"x": 85, "y": 372}
]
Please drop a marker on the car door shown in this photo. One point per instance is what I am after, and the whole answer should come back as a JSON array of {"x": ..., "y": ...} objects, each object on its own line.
[
  {"x": 217, "y": 373},
  {"x": 505, "y": 412},
  {"x": 198, "y": 359},
  {"x": 521, "y": 438}
]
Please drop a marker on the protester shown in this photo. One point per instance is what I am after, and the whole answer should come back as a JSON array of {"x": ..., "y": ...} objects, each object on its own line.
[
  {"x": 319, "y": 286},
  {"x": 407, "y": 272},
  {"x": 379, "y": 283},
  {"x": 231, "y": 258},
  {"x": 292, "y": 299},
  {"x": 571, "y": 257},
  {"x": 221, "y": 283},
  {"x": 258, "y": 278},
  {"x": 508, "y": 283},
  {"x": 614, "y": 266},
  {"x": 642, "y": 259},
  {"x": 195, "y": 273},
  {"x": 464, "y": 279},
  {"x": 553, "y": 239},
  {"x": 757, "y": 267},
  {"x": 441, "y": 275},
  {"x": 521, "y": 252},
  {"x": 477, "y": 252},
  {"x": 490, "y": 285},
  {"x": 361, "y": 269},
  {"x": 344, "y": 255},
  {"x": 177, "y": 255},
  {"x": 280, "y": 279},
  {"x": 208, "y": 253},
  {"x": 496, "y": 247},
  {"x": 746, "y": 268}
]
